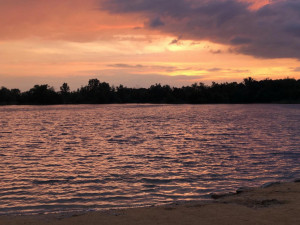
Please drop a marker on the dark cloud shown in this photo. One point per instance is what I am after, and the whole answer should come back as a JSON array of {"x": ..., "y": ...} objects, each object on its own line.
[
  {"x": 156, "y": 22},
  {"x": 175, "y": 41},
  {"x": 150, "y": 7},
  {"x": 215, "y": 51},
  {"x": 240, "y": 41},
  {"x": 272, "y": 31}
]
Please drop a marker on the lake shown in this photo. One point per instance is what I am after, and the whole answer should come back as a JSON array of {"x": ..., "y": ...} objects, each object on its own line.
[{"x": 94, "y": 157}]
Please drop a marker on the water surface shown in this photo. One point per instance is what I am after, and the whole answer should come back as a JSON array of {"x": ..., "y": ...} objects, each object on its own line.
[{"x": 80, "y": 157}]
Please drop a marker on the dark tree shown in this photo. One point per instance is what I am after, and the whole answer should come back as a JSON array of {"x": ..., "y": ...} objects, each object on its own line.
[
  {"x": 42, "y": 95},
  {"x": 96, "y": 92},
  {"x": 64, "y": 89},
  {"x": 65, "y": 93},
  {"x": 9, "y": 96}
]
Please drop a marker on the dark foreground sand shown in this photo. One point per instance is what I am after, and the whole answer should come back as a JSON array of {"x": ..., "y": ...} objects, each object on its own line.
[{"x": 276, "y": 204}]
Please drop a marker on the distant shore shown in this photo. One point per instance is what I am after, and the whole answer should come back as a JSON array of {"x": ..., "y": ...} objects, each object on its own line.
[
  {"x": 275, "y": 203},
  {"x": 95, "y": 92}
]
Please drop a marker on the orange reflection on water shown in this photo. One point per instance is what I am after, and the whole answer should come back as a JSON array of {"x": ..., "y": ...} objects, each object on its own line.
[{"x": 56, "y": 158}]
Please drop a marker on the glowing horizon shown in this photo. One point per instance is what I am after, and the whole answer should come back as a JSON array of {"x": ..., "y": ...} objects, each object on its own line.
[{"x": 138, "y": 43}]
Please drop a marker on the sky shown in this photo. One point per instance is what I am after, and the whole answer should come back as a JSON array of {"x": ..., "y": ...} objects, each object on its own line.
[{"x": 142, "y": 42}]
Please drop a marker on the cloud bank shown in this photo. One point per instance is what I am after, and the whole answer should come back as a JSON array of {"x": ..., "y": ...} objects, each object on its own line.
[{"x": 271, "y": 31}]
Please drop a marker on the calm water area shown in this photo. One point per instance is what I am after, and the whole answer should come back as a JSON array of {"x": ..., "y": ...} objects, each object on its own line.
[{"x": 94, "y": 157}]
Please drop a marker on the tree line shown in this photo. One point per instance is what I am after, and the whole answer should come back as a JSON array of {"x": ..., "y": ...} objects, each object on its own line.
[{"x": 96, "y": 92}]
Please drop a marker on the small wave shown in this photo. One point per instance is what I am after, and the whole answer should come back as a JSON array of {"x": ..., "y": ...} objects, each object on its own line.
[
  {"x": 72, "y": 142},
  {"x": 133, "y": 141},
  {"x": 87, "y": 200},
  {"x": 149, "y": 185},
  {"x": 190, "y": 163},
  {"x": 51, "y": 182},
  {"x": 51, "y": 165},
  {"x": 92, "y": 194},
  {"x": 14, "y": 198},
  {"x": 44, "y": 208},
  {"x": 164, "y": 137},
  {"x": 15, "y": 188},
  {"x": 9, "y": 193},
  {"x": 37, "y": 142},
  {"x": 128, "y": 167},
  {"x": 92, "y": 181},
  {"x": 166, "y": 181},
  {"x": 156, "y": 181}
]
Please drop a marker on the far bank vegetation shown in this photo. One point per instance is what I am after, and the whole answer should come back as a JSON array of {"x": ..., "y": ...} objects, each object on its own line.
[{"x": 96, "y": 92}]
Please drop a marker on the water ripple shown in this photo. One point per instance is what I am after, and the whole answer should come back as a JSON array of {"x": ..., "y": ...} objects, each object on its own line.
[{"x": 78, "y": 157}]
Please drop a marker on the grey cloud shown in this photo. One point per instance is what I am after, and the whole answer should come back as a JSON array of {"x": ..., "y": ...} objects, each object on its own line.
[
  {"x": 123, "y": 65},
  {"x": 240, "y": 41},
  {"x": 145, "y": 80},
  {"x": 215, "y": 51},
  {"x": 156, "y": 22},
  {"x": 127, "y": 79},
  {"x": 272, "y": 31},
  {"x": 293, "y": 29},
  {"x": 240, "y": 71},
  {"x": 139, "y": 66},
  {"x": 175, "y": 41},
  {"x": 214, "y": 69},
  {"x": 151, "y": 7},
  {"x": 297, "y": 69}
]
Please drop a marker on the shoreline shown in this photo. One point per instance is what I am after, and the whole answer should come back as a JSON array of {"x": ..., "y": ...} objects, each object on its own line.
[
  {"x": 160, "y": 103},
  {"x": 272, "y": 203}
]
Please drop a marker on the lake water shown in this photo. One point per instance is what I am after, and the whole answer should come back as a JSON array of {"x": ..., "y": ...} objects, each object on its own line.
[{"x": 93, "y": 157}]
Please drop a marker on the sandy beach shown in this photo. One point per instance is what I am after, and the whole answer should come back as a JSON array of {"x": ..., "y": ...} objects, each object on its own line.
[{"x": 274, "y": 204}]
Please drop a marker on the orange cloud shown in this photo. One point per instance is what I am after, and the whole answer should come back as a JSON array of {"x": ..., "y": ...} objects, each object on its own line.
[
  {"x": 74, "y": 20},
  {"x": 55, "y": 41}
]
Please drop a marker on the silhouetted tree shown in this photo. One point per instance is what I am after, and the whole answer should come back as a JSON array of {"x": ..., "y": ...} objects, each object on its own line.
[
  {"x": 65, "y": 93},
  {"x": 96, "y": 92},
  {"x": 42, "y": 94},
  {"x": 9, "y": 96},
  {"x": 64, "y": 89}
]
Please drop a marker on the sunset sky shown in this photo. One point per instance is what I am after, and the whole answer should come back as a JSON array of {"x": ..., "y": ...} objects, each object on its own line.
[{"x": 142, "y": 42}]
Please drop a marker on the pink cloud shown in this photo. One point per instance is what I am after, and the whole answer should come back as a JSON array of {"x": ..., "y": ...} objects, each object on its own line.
[{"x": 74, "y": 20}]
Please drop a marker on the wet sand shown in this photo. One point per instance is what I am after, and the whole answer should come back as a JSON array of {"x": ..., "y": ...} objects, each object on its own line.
[{"x": 275, "y": 204}]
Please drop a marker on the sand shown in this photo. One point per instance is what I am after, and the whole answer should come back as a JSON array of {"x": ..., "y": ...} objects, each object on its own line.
[{"x": 275, "y": 204}]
